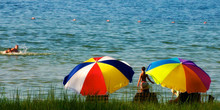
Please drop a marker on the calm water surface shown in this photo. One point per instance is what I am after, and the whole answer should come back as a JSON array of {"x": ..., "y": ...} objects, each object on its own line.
[{"x": 58, "y": 43}]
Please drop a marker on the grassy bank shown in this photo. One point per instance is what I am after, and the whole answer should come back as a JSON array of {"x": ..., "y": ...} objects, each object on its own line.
[
  {"x": 75, "y": 102},
  {"x": 63, "y": 104}
]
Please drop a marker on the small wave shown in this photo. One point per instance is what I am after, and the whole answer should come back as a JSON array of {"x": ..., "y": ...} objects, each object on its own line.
[
  {"x": 23, "y": 54},
  {"x": 111, "y": 51},
  {"x": 213, "y": 47},
  {"x": 127, "y": 32},
  {"x": 168, "y": 42}
]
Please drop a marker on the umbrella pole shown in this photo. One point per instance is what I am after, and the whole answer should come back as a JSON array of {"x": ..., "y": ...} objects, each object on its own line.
[{"x": 172, "y": 96}]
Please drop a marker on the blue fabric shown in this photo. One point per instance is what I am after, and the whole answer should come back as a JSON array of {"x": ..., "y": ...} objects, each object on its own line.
[
  {"x": 78, "y": 67},
  {"x": 162, "y": 62},
  {"x": 126, "y": 70}
]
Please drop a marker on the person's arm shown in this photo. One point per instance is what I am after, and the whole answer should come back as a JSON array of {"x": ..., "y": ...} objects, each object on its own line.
[
  {"x": 12, "y": 50},
  {"x": 149, "y": 79},
  {"x": 139, "y": 80}
]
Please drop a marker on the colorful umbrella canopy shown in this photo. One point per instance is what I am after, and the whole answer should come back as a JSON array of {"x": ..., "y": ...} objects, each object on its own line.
[
  {"x": 179, "y": 74},
  {"x": 99, "y": 75}
]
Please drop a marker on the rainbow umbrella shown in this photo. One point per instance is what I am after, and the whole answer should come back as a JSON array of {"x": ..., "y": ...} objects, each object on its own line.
[
  {"x": 179, "y": 74},
  {"x": 99, "y": 75}
]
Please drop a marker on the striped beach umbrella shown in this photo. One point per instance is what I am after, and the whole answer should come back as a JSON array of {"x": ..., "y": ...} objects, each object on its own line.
[
  {"x": 99, "y": 76},
  {"x": 179, "y": 74}
]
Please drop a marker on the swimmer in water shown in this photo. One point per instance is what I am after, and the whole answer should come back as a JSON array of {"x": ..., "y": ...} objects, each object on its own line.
[{"x": 10, "y": 50}]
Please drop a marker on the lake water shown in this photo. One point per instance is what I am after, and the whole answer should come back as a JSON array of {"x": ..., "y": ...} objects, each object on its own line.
[{"x": 54, "y": 43}]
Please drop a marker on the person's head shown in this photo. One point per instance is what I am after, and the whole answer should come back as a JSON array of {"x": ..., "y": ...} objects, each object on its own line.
[
  {"x": 143, "y": 68},
  {"x": 16, "y": 46}
]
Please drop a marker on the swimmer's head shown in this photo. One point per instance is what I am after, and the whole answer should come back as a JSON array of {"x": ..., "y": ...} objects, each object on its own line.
[{"x": 16, "y": 46}]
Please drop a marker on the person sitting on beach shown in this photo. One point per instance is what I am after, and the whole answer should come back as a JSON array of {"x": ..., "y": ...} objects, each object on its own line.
[
  {"x": 10, "y": 50},
  {"x": 144, "y": 83},
  {"x": 187, "y": 97}
]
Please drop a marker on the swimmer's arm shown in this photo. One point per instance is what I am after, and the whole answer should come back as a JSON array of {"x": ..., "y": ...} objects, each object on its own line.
[{"x": 149, "y": 79}]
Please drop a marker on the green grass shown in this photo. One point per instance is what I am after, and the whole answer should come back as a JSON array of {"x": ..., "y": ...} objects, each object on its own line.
[{"x": 77, "y": 102}]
